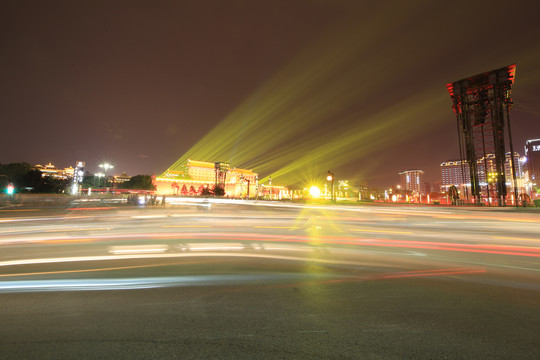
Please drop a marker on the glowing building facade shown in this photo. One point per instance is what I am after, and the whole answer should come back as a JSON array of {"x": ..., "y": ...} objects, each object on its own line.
[
  {"x": 532, "y": 155},
  {"x": 454, "y": 173},
  {"x": 412, "y": 180},
  {"x": 457, "y": 173},
  {"x": 195, "y": 176},
  {"x": 50, "y": 170},
  {"x": 118, "y": 179}
]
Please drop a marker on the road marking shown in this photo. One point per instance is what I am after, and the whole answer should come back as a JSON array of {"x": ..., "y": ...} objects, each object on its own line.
[{"x": 381, "y": 232}]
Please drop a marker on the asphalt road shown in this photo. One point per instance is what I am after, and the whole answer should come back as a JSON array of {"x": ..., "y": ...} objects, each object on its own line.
[{"x": 254, "y": 280}]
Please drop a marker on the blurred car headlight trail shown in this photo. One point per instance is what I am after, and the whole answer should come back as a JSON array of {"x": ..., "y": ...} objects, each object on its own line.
[
  {"x": 214, "y": 246},
  {"x": 149, "y": 216},
  {"x": 138, "y": 249},
  {"x": 149, "y": 282},
  {"x": 438, "y": 272}
]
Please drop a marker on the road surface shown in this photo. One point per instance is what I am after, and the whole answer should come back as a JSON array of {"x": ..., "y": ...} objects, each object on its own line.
[{"x": 237, "y": 279}]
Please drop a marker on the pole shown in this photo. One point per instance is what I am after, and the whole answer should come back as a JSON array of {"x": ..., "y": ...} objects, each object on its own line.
[{"x": 512, "y": 156}]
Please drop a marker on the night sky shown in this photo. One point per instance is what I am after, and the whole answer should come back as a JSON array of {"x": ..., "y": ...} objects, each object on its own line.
[{"x": 140, "y": 83}]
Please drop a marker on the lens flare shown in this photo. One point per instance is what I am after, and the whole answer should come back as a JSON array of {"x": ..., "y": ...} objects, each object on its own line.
[{"x": 315, "y": 192}]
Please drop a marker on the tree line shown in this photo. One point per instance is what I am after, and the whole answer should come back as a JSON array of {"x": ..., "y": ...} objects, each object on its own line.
[{"x": 27, "y": 179}]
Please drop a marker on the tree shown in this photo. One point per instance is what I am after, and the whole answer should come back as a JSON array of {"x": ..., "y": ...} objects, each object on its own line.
[
  {"x": 219, "y": 190},
  {"x": 90, "y": 181},
  {"x": 139, "y": 182},
  {"x": 26, "y": 178}
]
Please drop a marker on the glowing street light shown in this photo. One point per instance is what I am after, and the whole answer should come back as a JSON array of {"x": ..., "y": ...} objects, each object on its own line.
[
  {"x": 106, "y": 166},
  {"x": 314, "y": 191},
  {"x": 98, "y": 175},
  {"x": 331, "y": 178}
]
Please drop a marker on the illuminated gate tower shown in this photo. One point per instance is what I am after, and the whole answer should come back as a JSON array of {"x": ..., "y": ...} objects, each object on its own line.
[
  {"x": 482, "y": 104},
  {"x": 221, "y": 173}
]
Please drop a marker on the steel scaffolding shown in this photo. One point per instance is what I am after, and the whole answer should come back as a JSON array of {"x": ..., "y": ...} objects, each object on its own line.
[{"x": 481, "y": 104}]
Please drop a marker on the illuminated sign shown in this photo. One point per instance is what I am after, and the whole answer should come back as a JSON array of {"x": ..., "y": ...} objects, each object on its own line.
[{"x": 536, "y": 147}]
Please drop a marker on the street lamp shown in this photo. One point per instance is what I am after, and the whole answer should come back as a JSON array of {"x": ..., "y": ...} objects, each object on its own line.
[
  {"x": 98, "y": 175},
  {"x": 331, "y": 178},
  {"x": 105, "y": 167}
]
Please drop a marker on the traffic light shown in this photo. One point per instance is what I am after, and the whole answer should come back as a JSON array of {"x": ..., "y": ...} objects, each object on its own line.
[{"x": 10, "y": 189}]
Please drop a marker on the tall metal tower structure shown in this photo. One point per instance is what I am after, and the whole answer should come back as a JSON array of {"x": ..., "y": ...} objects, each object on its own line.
[{"x": 482, "y": 106}]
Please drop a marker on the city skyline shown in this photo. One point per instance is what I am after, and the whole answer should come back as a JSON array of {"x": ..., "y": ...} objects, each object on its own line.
[
  {"x": 359, "y": 89},
  {"x": 443, "y": 179}
]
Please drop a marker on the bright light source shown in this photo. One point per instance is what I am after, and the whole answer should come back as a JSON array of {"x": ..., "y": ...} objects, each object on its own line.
[
  {"x": 329, "y": 178},
  {"x": 106, "y": 166},
  {"x": 314, "y": 191},
  {"x": 10, "y": 189}
]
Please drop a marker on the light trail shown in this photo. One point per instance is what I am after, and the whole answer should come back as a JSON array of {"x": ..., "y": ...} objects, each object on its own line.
[
  {"x": 381, "y": 231},
  {"x": 390, "y": 243},
  {"x": 138, "y": 249},
  {"x": 276, "y": 227},
  {"x": 93, "y": 208},
  {"x": 513, "y": 238},
  {"x": 187, "y": 226},
  {"x": 427, "y": 273},
  {"x": 69, "y": 230},
  {"x": 18, "y": 210},
  {"x": 84, "y": 270}
]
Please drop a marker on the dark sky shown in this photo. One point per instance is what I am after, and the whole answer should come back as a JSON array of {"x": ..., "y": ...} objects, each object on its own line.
[{"x": 139, "y": 83}]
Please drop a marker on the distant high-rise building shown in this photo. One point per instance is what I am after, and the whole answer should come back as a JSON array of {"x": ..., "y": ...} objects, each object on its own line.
[
  {"x": 518, "y": 165},
  {"x": 437, "y": 186},
  {"x": 458, "y": 174},
  {"x": 532, "y": 153},
  {"x": 455, "y": 173},
  {"x": 412, "y": 180}
]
